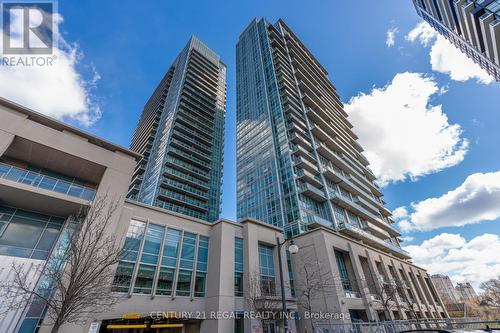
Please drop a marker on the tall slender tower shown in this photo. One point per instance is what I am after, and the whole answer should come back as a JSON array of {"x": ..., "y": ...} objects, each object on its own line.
[
  {"x": 180, "y": 135},
  {"x": 298, "y": 159},
  {"x": 473, "y": 26}
]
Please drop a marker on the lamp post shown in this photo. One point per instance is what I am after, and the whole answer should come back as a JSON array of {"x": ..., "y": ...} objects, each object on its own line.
[{"x": 293, "y": 249}]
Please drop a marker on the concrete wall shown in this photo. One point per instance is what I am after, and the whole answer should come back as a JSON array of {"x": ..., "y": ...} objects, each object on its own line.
[{"x": 317, "y": 246}]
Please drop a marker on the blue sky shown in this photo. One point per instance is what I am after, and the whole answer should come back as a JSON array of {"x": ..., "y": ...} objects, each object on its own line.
[{"x": 123, "y": 51}]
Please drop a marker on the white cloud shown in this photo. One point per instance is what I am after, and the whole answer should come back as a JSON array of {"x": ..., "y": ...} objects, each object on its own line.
[
  {"x": 403, "y": 135},
  {"x": 476, "y": 199},
  {"x": 474, "y": 261},
  {"x": 445, "y": 57},
  {"x": 407, "y": 238},
  {"x": 390, "y": 36},
  {"x": 400, "y": 212},
  {"x": 60, "y": 90}
]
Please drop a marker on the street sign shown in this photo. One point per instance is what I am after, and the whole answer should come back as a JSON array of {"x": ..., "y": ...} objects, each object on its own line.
[{"x": 94, "y": 327}]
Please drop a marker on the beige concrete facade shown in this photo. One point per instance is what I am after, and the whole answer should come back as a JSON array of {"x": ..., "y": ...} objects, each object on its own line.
[{"x": 363, "y": 264}]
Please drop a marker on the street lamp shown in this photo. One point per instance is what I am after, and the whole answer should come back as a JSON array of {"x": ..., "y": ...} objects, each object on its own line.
[{"x": 293, "y": 249}]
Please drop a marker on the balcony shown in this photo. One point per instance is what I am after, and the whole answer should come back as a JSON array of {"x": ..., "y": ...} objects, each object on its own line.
[
  {"x": 307, "y": 177},
  {"x": 313, "y": 219},
  {"x": 182, "y": 199},
  {"x": 303, "y": 163},
  {"x": 189, "y": 158},
  {"x": 137, "y": 179},
  {"x": 372, "y": 240},
  {"x": 312, "y": 192},
  {"x": 45, "y": 182},
  {"x": 350, "y": 205},
  {"x": 134, "y": 189},
  {"x": 301, "y": 151},
  {"x": 361, "y": 201}
]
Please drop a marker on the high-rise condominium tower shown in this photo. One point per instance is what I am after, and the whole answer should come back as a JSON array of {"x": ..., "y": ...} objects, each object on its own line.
[
  {"x": 473, "y": 26},
  {"x": 298, "y": 159},
  {"x": 180, "y": 135}
]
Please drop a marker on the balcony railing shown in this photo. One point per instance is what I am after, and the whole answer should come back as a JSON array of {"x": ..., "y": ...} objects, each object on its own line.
[
  {"x": 373, "y": 240},
  {"x": 50, "y": 183}
]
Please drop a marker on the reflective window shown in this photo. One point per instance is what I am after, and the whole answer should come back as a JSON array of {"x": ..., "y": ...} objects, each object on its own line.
[
  {"x": 27, "y": 234},
  {"x": 165, "y": 281},
  {"x": 267, "y": 277},
  {"x": 155, "y": 263},
  {"x": 238, "y": 266},
  {"x": 184, "y": 283}
]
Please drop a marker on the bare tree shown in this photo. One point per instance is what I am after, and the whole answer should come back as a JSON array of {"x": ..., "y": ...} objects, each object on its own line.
[
  {"x": 261, "y": 297},
  {"x": 491, "y": 293},
  {"x": 385, "y": 292},
  {"x": 76, "y": 281},
  {"x": 314, "y": 283}
]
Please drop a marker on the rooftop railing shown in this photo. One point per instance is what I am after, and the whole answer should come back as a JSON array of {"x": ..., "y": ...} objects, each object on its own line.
[{"x": 46, "y": 182}]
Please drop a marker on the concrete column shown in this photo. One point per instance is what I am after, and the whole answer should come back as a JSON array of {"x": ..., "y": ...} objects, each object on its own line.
[
  {"x": 376, "y": 273},
  {"x": 220, "y": 281},
  {"x": 422, "y": 295},
  {"x": 495, "y": 40},
  {"x": 406, "y": 277},
  {"x": 397, "y": 300},
  {"x": 361, "y": 282},
  {"x": 432, "y": 301}
]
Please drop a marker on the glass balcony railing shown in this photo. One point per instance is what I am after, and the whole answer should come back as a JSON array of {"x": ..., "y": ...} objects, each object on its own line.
[{"x": 50, "y": 183}]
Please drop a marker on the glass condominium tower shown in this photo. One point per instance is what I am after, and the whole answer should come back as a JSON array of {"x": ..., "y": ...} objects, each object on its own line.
[
  {"x": 298, "y": 161},
  {"x": 473, "y": 26},
  {"x": 180, "y": 135}
]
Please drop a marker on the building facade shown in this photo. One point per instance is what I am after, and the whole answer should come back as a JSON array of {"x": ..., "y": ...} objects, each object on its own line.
[
  {"x": 180, "y": 136},
  {"x": 359, "y": 277},
  {"x": 465, "y": 292},
  {"x": 445, "y": 288},
  {"x": 473, "y": 26},
  {"x": 48, "y": 171},
  {"x": 298, "y": 159},
  {"x": 301, "y": 168},
  {"x": 182, "y": 274}
]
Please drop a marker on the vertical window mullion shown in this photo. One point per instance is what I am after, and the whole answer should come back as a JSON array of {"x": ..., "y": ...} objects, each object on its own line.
[
  {"x": 138, "y": 260},
  {"x": 177, "y": 266},
  {"x": 195, "y": 268},
  {"x": 158, "y": 263}
]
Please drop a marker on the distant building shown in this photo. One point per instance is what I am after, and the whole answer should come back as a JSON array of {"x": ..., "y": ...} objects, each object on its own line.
[
  {"x": 465, "y": 292},
  {"x": 180, "y": 137},
  {"x": 473, "y": 26},
  {"x": 445, "y": 288}
]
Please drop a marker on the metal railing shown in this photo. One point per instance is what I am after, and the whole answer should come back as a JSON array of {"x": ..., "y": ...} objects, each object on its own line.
[
  {"x": 396, "y": 326},
  {"x": 39, "y": 180}
]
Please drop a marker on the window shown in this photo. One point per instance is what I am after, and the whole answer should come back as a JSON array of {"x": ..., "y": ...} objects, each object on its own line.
[
  {"x": 267, "y": 277},
  {"x": 144, "y": 279},
  {"x": 201, "y": 267},
  {"x": 123, "y": 276},
  {"x": 199, "y": 284},
  {"x": 290, "y": 273},
  {"x": 344, "y": 275},
  {"x": 27, "y": 234},
  {"x": 239, "y": 323},
  {"x": 186, "y": 264},
  {"x": 184, "y": 283},
  {"x": 188, "y": 247},
  {"x": 238, "y": 267},
  {"x": 165, "y": 281},
  {"x": 171, "y": 248},
  {"x": 152, "y": 254}
]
